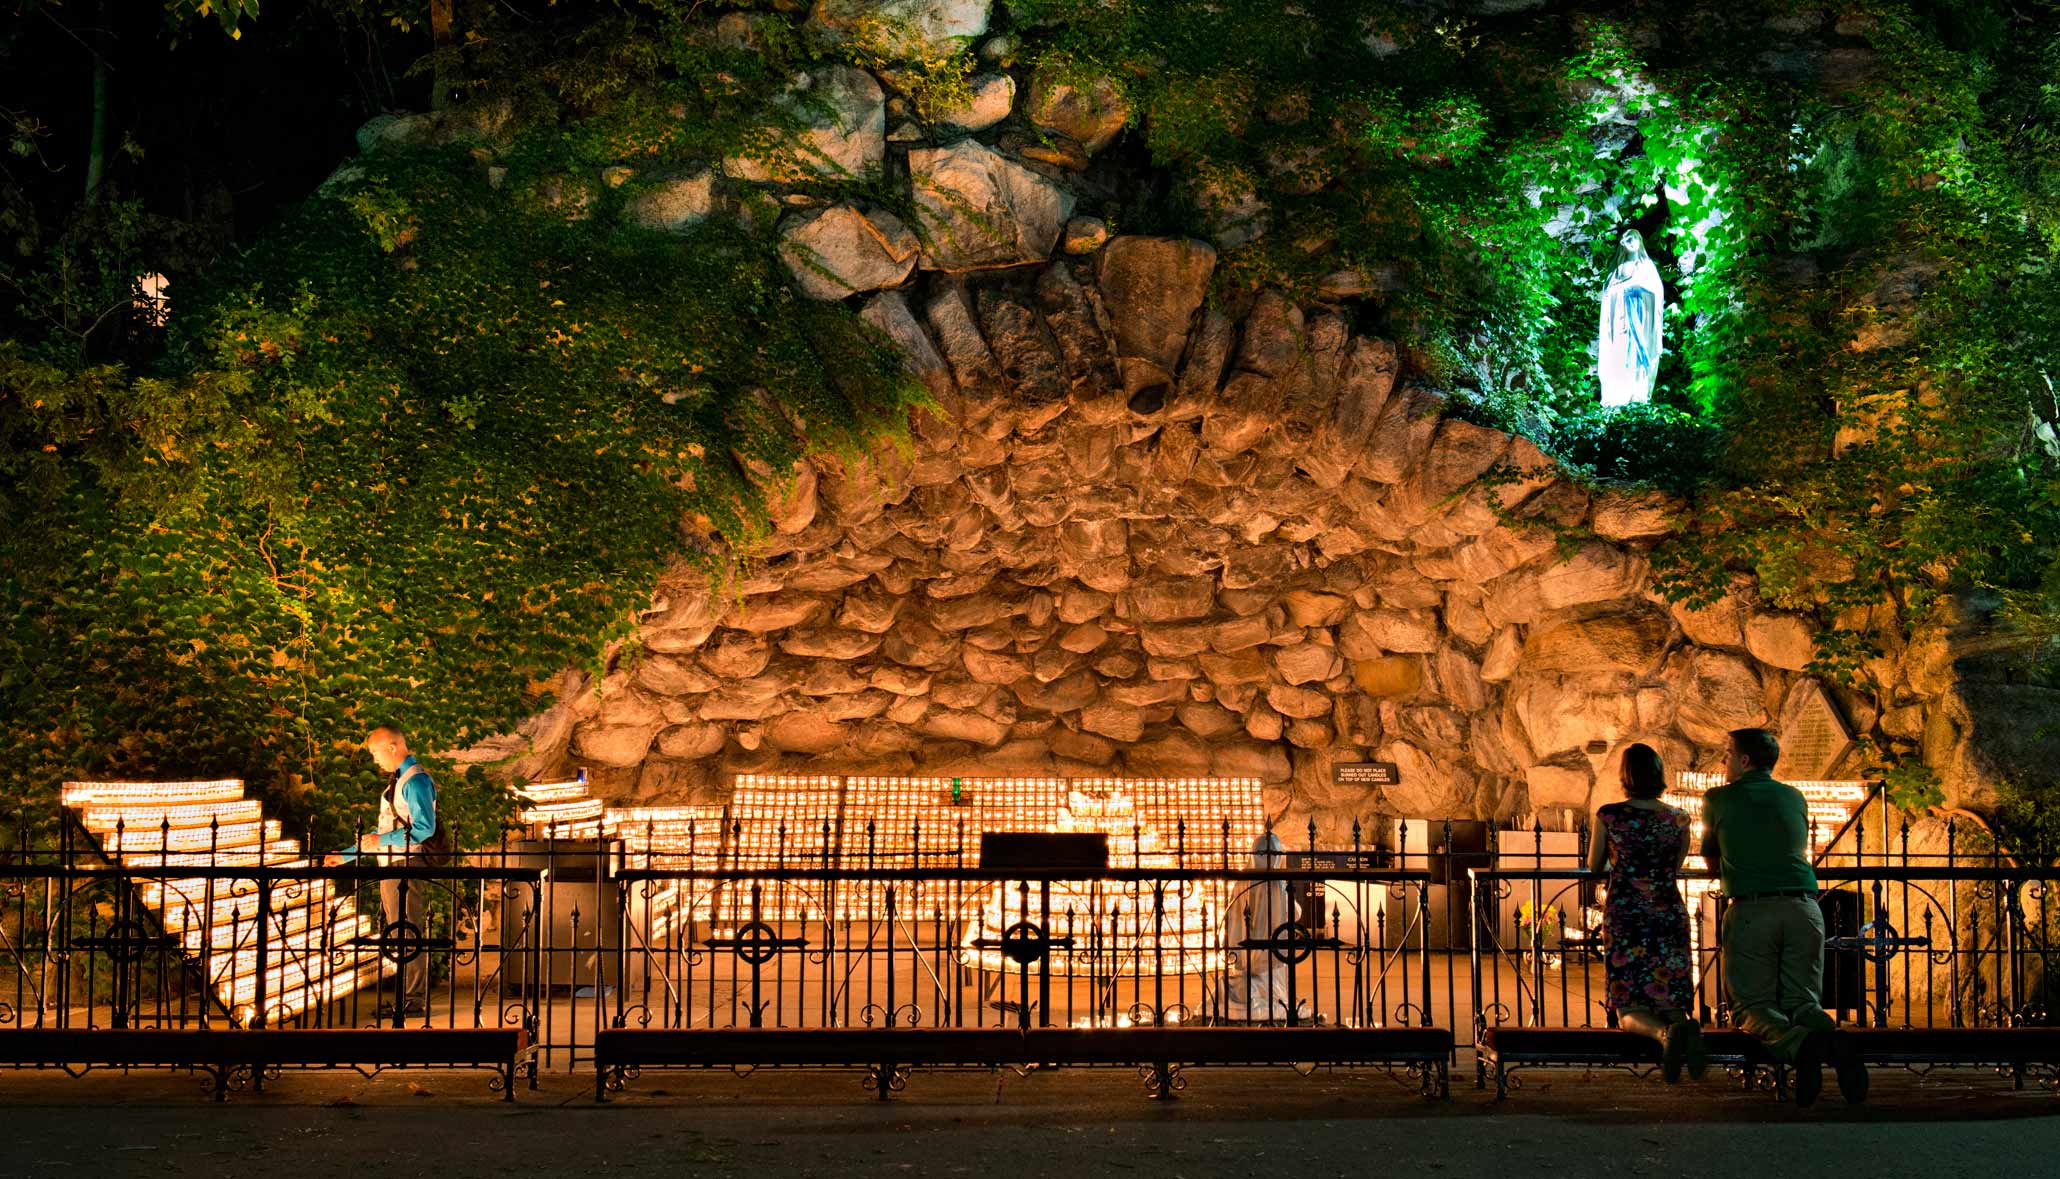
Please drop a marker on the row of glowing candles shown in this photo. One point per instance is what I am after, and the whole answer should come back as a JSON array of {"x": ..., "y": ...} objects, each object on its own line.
[
  {"x": 773, "y": 817},
  {"x": 210, "y": 823},
  {"x": 1830, "y": 805},
  {"x": 206, "y": 818}
]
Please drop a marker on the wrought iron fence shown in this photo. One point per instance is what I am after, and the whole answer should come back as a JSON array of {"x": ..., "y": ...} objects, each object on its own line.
[
  {"x": 1938, "y": 931},
  {"x": 973, "y": 947},
  {"x": 566, "y": 937},
  {"x": 160, "y": 929}
]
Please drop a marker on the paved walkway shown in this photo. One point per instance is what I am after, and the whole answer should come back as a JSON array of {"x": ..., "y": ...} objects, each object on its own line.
[{"x": 1269, "y": 1123}]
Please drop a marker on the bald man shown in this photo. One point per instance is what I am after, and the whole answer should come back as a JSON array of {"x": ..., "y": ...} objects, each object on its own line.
[{"x": 407, "y": 821}]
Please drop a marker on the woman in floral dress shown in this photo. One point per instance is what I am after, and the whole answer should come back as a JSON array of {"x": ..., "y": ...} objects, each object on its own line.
[{"x": 1641, "y": 843}]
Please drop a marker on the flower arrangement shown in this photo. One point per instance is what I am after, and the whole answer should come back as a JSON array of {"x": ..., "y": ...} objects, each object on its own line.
[{"x": 1537, "y": 922}]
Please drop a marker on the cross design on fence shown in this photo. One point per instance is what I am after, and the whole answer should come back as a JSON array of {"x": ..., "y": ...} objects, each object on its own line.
[
  {"x": 1878, "y": 942},
  {"x": 1027, "y": 943},
  {"x": 756, "y": 943}
]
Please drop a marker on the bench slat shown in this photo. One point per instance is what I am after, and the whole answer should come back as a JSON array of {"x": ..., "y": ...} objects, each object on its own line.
[
  {"x": 808, "y": 1046},
  {"x": 1207, "y": 1045},
  {"x": 194, "y": 1046},
  {"x": 616, "y": 1046},
  {"x": 1607, "y": 1045}
]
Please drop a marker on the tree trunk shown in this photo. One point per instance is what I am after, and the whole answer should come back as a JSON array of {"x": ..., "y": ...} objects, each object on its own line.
[
  {"x": 440, "y": 39},
  {"x": 96, "y": 149}
]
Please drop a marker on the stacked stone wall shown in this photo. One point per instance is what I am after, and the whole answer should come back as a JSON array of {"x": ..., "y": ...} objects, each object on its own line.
[{"x": 1144, "y": 535}]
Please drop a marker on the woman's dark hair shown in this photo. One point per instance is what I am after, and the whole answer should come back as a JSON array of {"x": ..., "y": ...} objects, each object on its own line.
[{"x": 1645, "y": 775}]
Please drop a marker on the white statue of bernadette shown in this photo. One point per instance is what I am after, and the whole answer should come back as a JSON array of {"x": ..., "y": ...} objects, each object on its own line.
[
  {"x": 1629, "y": 346},
  {"x": 1256, "y": 984}
]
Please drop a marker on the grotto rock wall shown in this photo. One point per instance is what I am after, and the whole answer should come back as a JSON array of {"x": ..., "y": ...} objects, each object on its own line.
[
  {"x": 1144, "y": 534},
  {"x": 1139, "y": 535}
]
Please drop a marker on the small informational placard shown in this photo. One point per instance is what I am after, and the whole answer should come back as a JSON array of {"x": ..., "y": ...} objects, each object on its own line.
[
  {"x": 1087, "y": 850},
  {"x": 1365, "y": 773},
  {"x": 1368, "y": 860},
  {"x": 1814, "y": 736}
]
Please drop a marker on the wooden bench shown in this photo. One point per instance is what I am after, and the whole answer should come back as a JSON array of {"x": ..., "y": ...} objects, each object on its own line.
[
  {"x": 1426, "y": 1052},
  {"x": 1502, "y": 1051},
  {"x": 221, "y": 1052},
  {"x": 886, "y": 1052},
  {"x": 2015, "y": 1049},
  {"x": 883, "y": 1052}
]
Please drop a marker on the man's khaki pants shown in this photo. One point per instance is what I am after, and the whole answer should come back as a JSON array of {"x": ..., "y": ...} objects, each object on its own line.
[
  {"x": 1774, "y": 969},
  {"x": 414, "y": 974}
]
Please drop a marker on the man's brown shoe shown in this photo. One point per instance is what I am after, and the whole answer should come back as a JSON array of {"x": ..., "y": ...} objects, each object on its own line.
[
  {"x": 1809, "y": 1068},
  {"x": 1852, "y": 1072},
  {"x": 1693, "y": 1052}
]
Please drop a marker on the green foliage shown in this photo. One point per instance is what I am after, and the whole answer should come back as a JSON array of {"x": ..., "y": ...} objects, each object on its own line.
[
  {"x": 2028, "y": 822},
  {"x": 422, "y": 449},
  {"x": 1652, "y": 444},
  {"x": 230, "y": 14},
  {"x": 1913, "y": 787},
  {"x": 934, "y": 81}
]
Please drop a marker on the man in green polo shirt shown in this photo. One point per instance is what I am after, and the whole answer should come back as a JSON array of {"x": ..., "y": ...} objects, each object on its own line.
[{"x": 1756, "y": 831}]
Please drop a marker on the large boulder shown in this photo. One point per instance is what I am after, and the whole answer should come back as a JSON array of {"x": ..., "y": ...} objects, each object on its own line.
[
  {"x": 1567, "y": 782},
  {"x": 1234, "y": 213},
  {"x": 1458, "y": 454},
  {"x": 1088, "y": 111},
  {"x": 1427, "y": 787},
  {"x": 1719, "y": 624},
  {"x": 905, "y": 28},
  {"x": 989, "y": 98},
  {"x": 1152, "y": 287},
  {"x": 673, "y": 204},
  {"x": 1721, "y": 692},
  {"x": 1265, "y": 761},
  {"x": 843, "y": 131},
  {"x": 1598, "y": 572},
  {"x": 983, "y": 209},
  {"x": 471, "y": 122},
  {"x": 889, "y": 312},
  {"x": 843, "y": 250},
  {"x": 1171, "y": 599},
  {"x": 1400, "y": 435},
  {"x": 1563, "y": 715},
  {"x": 1785, "y": 641},
  {"x": 1607, "y": 643},
  {"x": 1633, "y": 515},
  {"x": 1385, "y": 631},
  {"x": 1984, "y": 733},
  {"x": 613, "y": 745},
  {"x": 805, "y": 732},
  {"x": 1365, "y": 378}
]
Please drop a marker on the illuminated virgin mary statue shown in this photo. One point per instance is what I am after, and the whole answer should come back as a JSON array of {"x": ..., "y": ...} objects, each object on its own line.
[{"x": 1630, "y": 344}]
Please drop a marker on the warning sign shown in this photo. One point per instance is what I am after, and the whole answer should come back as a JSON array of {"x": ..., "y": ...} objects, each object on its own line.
[{"x": 1365, "y": 773}]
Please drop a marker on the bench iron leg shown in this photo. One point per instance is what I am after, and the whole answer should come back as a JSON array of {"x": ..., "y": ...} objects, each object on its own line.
[{"x": 1438, "y": 1081}]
